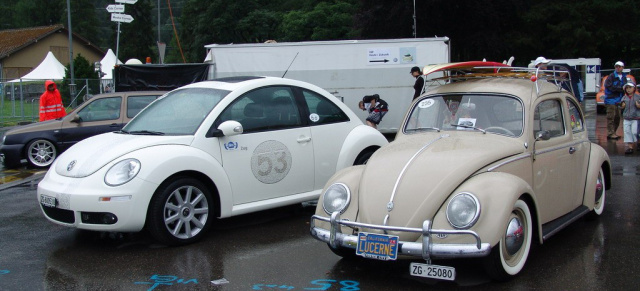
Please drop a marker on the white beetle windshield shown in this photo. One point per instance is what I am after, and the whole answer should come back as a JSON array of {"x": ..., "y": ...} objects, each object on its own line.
[
  {"x": 179, "y": 112},
  {"x": 470, "y": 112}
]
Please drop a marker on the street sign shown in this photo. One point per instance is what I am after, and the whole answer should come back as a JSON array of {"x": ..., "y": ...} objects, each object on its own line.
[
  {"x": 127, "y": 1},
  {"x": 119, "y": 8},
  {"x": 117, "y": 17}
]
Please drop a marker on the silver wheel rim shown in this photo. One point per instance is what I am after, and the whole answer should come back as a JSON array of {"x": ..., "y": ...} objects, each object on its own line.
[
  {"x": 186, "y": 212},
  {"x": 41, "y": 153},
  {"x": 600, "y": 194}
]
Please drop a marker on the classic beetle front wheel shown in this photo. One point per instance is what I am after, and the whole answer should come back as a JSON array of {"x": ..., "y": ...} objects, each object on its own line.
[
  {"x": 508, "y": 257},
  {"x": 180, "y": 212}
]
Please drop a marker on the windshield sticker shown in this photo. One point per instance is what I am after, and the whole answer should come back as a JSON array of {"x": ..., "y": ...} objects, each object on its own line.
[
  {"x": 231, "y": 146},
  {"x": 426, "y": 103},
  {"x": 271, "y": 162},
  {"x": 466, "y": 123},
  {"x": 314, "y": 117}
]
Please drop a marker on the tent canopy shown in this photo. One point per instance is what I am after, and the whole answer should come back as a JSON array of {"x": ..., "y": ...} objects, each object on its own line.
[
  {"x": 107, "y": 63},
  {"x": 49, "y": 69}
]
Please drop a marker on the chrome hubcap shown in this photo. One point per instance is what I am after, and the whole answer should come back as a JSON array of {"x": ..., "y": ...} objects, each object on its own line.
[{"x": 514, "y": 237}]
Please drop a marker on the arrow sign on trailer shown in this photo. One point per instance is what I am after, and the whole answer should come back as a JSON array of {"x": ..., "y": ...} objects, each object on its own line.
[
  {"x": 127, "y": 1},
  {"x": 117, "y": 17},
  {"x": 119, "y": 8}
]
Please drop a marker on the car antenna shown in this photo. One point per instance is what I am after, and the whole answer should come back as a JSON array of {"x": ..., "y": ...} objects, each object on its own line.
[{"x": 294, "y": 58}]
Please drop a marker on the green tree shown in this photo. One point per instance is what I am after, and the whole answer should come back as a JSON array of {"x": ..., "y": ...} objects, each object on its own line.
[
  {"x": 137, "y": 37},
  {"x": 82, "y": 70},
  {"x": 330, "y": 20},
  {"x": 83, "y": 19}
]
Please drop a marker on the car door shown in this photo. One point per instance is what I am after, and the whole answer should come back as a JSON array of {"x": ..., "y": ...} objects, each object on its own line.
[
  {"x": 98, "y": 116},
  {"x": 554, "y": 171},
  {"x": 581, "y": 149},
  {"x": 273, "y": 157}
]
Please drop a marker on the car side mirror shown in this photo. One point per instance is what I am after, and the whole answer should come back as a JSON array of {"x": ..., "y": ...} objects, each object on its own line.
[
  {"x": 543, "y": 135},
  {"x": 76, "y": 119},
  {"x": 227, "y": 128}
]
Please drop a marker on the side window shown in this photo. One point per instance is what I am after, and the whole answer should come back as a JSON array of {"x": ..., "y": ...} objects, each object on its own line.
[
  {"x": 575, "y": 118},
  {"x": 323, "y": 111},
  {"x": 137, "y": 103},
  {"x": 268, "y": 108},
  {"x": 548, "y": 116},
  {"x": 101, "y": 109}
]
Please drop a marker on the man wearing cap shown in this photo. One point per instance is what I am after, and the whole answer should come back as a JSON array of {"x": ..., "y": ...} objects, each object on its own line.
[
  {"x": 541, "y": 63},
  {"x": 613, "y": 95},
  {"x": 420, "y": 84}
]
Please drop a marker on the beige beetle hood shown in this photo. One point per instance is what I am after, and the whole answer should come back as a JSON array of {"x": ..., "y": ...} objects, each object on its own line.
[{"x": 424, "y": 170}]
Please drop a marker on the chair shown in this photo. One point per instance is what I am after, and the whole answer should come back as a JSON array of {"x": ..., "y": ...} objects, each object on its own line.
[{"x": 254, "y": 117}]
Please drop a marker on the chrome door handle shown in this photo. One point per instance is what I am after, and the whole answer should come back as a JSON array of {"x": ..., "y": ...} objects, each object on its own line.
[
  {"x": 572, "y": 150},
  {"x": 304, "y": 139}
]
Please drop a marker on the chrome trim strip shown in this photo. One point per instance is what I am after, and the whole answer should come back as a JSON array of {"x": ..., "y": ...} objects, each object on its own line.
[
  {"x": 560, "y": 147},
  {"x": 395, "y": 187},
  {"x": 510, "y": 160}
]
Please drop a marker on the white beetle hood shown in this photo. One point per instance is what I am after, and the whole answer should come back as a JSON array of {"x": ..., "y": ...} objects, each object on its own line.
[{"x": 90, "y": 155}]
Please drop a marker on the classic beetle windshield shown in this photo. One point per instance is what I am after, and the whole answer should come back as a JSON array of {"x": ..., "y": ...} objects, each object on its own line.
[
  {"x": 179, "y": 112},
  {"x": 470, "y": 112}
]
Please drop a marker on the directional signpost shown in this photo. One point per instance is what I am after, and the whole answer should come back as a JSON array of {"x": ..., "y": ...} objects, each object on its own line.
[{"x": 117, "y": 15}]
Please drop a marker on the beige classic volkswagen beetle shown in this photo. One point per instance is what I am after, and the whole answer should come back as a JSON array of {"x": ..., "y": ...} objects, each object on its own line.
[{"x": 484, "y": 165}]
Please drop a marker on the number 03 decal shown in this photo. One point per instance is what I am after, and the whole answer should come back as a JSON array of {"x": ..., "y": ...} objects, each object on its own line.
[{"x": 271, "y": 162}]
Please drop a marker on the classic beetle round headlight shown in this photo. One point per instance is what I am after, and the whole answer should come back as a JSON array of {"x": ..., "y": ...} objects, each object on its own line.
[
  {"x": 336, "y": 198},
  {"x": 463, "y": 210},
  {"x": 122, "y": 172}
]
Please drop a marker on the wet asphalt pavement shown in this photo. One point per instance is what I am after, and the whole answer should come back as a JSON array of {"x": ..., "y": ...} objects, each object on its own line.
[{"x": 272, "y": 250}]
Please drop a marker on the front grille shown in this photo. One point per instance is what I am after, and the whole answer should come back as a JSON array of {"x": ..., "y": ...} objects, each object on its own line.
[{"x": 58, "y": 214}]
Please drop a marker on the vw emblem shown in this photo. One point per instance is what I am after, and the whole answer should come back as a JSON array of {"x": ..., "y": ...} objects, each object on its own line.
[
  {"x": 70, "y": 166},
  {"x": 390, "y": 206}
]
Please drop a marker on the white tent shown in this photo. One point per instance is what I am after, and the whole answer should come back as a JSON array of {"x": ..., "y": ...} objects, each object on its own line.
[
  {"x": 49, "y": 69},
  {"x": 107, "y": 63}
]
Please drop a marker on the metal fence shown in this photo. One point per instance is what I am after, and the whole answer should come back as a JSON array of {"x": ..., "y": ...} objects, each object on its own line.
[{"x": 20, "y": 100}]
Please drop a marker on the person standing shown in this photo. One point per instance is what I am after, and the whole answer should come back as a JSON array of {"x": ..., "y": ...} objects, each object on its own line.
[
  {"x": 613, "y": 95},
  {"x": 51, "y": 102},
  {"x": 420, "y": 84},
  {"x": 630, "y": 106},
  {"x": 541, "y": 63}
]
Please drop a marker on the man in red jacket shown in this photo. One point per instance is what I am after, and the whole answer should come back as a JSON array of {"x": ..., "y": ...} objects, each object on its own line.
[{"x": 51, "y": 102}]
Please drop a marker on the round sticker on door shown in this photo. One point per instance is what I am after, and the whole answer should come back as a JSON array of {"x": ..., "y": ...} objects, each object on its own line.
[
  {"x": 271, "y": 162},
  {"x": 426, "y": 103},
  {"x": 314, "y": 117}
]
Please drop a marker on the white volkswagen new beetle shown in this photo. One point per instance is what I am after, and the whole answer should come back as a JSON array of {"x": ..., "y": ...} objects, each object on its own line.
[{"x": 211, "y": 149}]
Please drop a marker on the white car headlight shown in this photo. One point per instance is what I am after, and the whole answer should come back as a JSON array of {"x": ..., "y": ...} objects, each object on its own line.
[
  {"x": 336, "y": 198},
  {"x": 122, "y": 172},
  {"x": 463, "y": 210}
]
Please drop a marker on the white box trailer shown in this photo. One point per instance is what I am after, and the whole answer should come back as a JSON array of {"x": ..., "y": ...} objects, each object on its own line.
[{"x": 348, "y": 69}]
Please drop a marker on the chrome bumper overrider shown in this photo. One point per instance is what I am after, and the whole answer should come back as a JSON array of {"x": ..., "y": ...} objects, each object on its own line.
[{"x": 426, "y": 249}]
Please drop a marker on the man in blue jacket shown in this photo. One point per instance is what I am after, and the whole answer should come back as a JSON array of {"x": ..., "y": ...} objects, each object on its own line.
[{"x": 613, "y": 95}]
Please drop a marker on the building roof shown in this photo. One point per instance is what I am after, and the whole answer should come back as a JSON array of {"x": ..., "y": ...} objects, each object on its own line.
[{"x": 13, "y": 40}]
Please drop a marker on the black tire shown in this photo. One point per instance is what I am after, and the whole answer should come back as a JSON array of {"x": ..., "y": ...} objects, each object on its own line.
[
  {"x": 41, "y": 153},
  {"x": 346, "y": 253},
  {"x": 363, "y": 158},
  {"x": 508, "y": 257},
  {"x": 176, "y": 216},
  {"x": 601, "y": 194}
]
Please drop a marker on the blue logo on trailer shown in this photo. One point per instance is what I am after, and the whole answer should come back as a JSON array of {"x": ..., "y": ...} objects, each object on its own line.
[{"x": 593, "y": 69}]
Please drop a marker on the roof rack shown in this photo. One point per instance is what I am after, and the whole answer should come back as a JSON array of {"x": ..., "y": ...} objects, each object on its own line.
[{"x": 553, "y": 75}]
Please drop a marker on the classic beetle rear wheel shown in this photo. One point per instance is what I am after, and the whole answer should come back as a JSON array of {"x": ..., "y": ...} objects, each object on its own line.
[
  {"x": 508, "y": 257},
  {"x": 180, "y": 212},
  {"x": 600, "y": 196}
]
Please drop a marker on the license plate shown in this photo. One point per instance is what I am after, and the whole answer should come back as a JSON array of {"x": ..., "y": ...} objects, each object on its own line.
[
  {"x": 377, "y": 246},
  {"x": 48, "y": 201},
  {"x": 433, "y": 271}
]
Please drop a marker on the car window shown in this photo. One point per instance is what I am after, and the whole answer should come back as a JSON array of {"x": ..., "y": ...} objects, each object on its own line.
[
  {"x": 577, "y": 122},
  {"x": 268, "y": 108},
  {"x": 137, "y": 103},
  {"x": 498, "y": 114},
  {"x": 548, "y": 116},
  {"x": 322, "y": 110},
  {"x": 180, "y": 112},
  {"x": 101, "y": 109}
]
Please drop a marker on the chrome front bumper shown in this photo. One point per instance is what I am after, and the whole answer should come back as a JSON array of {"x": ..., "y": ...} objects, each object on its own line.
[{"x": 425, "y": 249}]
